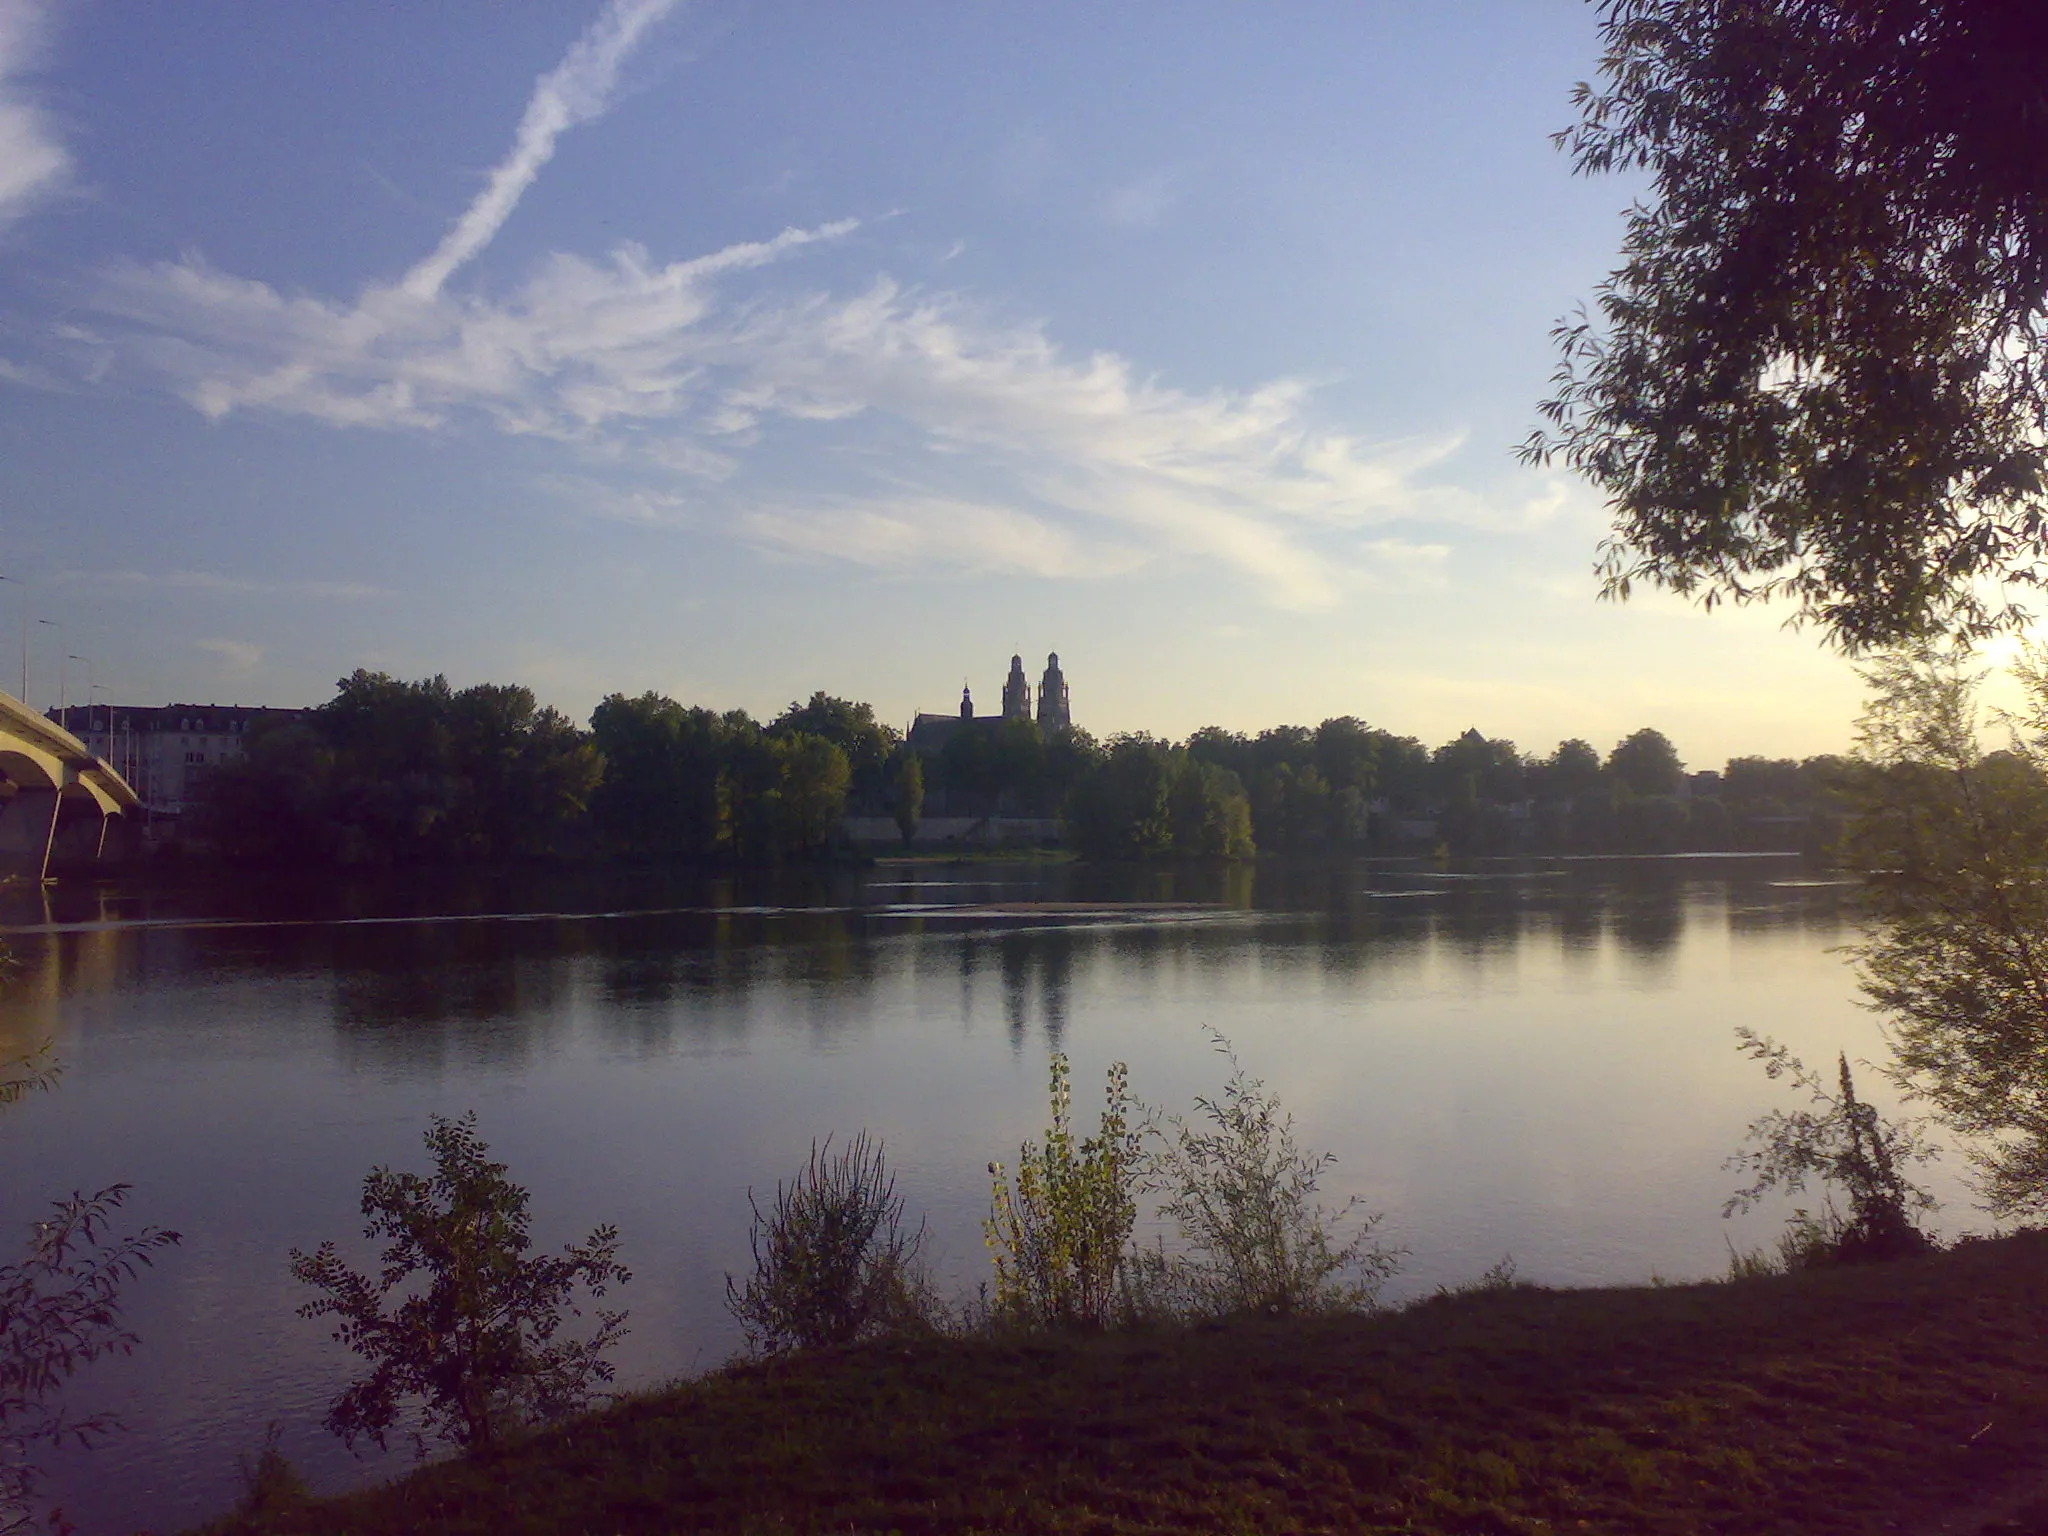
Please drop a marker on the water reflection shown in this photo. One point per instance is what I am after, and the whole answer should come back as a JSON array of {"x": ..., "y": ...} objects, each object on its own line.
[{"x": 412, "y": 988}]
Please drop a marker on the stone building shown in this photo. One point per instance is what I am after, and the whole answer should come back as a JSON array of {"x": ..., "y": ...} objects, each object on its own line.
[
  {"x": 930, "y": 733},
  {"x": 164, "y": 753}
]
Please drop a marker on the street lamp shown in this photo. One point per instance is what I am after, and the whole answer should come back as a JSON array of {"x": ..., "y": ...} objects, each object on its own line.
[
  {"x": 60, "y": 664},
  {"x": 24, "y": 639},
  {"x": 88, "y": 692}
]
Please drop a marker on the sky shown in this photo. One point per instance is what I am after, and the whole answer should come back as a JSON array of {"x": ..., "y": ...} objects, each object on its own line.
[{"x": 737, "y": 350}]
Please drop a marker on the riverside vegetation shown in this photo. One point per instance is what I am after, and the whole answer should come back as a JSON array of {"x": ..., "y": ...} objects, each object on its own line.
[
  {"x": 390, "y": 772},
  {"x": 839, "y": 1269}
]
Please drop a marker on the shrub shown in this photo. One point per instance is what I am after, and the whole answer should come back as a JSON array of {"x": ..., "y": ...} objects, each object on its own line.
[
  {"x": 1061, "y": 1235},
  {"x": 833, "y": 1263},
  {"x": 1254, "y": 1238},
  {"x": 479, "y": 1346},
  {"x": 60, "y": 1310},
  {"x": 1843, "y": 1144},
  {"x": 271, "y": 1485}
]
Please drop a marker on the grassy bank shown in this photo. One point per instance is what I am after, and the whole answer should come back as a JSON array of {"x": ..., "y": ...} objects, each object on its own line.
[{"x": 1839, "y": 1400}]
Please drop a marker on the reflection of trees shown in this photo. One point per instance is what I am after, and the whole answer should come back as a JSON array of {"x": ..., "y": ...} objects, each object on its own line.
[
  {"x": 1580, "y": 913},
  {"x": 1013, "y": 956},
  {"x": 1649, "y": 923},
  {"x": 1825, "y": 911},
  {"x": 1036, "y": 961},
  {"x": 494, "y": 991},
  {"x": 1480, "y": 920},
  {"x": 419, "y": 993}
]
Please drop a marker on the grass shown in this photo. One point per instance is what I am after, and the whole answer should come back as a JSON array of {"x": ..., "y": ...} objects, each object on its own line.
[{"x": 1831, "y": 1400}]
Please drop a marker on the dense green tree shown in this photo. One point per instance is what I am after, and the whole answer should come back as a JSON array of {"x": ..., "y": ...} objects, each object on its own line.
[
  {"x": 664, "y": 793},
  {"x": 907, "y": 795},
  {"x": 1009, "y": 766},
  {"x": 869, "y": 746},
  {"x": 1404, "y": 769},
  {"x": 1652, "y": 823},
  {"x": 815, "y": 780},
  {"x": 1225, "y": 749},
  {"x": 522, "y": 771},
  {"x": 1292, "y": 809},
  {"x": 1819, "y": 372},
  {"x": 1594, "y": 824},
  {"x": 276, "y": 802},
  {"x": 1069, "y": 756},
  {"x": 1708, "y": 828},
  {"x": 1748, "y": 780},
  {"x": 1347, "y": 755},
  {"x": 1569, "y": 771},
  {"x": 1647, "y": 763},
  {"x": 1211, "y": 815},
  {"x": 1119, "y": 809},
  {"x": 1493, "y": 767},
  {"x": 398, "y": 772}
]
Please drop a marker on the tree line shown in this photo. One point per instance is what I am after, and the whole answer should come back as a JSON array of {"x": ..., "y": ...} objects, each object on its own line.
[{"x": 394, "y": 772}]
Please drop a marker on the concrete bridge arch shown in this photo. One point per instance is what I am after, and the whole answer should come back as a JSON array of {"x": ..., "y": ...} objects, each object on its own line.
[{"x": 66, "y": 805}]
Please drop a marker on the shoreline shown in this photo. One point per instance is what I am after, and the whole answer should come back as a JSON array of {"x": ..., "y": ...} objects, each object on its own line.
[{"x": 1848, "y": 1399}]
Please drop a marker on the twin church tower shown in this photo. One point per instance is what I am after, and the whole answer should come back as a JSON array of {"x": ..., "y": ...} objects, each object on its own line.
[
  {"x": 931, "y": 732},
  {"x": 1053, "y": 714}
]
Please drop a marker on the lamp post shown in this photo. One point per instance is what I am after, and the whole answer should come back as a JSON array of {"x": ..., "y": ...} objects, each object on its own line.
[
  {"x": 24, "y": 638},
  {"x": 88, "y": 692},
  {"x": 52, "y": 623}
]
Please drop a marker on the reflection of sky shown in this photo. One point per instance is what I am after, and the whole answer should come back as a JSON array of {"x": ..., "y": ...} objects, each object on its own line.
[{"x": 1536, "y": 1067}]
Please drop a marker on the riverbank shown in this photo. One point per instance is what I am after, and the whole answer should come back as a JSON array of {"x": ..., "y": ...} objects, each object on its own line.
[{"x": 1880, "y": 1398}]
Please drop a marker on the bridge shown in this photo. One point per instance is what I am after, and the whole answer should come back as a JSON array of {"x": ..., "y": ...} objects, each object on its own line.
[{"x": 68, "y": 807}]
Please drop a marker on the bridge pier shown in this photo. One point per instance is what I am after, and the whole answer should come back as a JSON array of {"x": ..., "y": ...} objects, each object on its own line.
[
  {"x": 27, "y": 828},
  {"x": 81, "y": 832},
  {"x": 121, "y": 842}
]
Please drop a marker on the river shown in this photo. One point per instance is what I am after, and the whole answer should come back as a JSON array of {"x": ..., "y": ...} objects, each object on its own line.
[{"x": 1530, "y": 1059}]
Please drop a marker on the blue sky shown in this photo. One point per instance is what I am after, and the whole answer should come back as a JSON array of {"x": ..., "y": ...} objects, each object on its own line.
[{"x": 736, "y": 350}]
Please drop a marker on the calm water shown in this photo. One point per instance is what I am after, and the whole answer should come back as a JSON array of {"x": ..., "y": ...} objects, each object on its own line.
[{"x": 1533, "y": 1061}]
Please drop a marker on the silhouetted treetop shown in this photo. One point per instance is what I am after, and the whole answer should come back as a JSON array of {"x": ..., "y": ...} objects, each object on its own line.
[
  {"x": 1647, "y": 763},
  {"x": 1818, "y": 372}
]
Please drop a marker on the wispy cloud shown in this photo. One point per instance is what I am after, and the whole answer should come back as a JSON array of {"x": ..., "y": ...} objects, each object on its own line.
[
  {"x": 964, "y": 438},
  {"x": 213, "y": 582},
  {"x": 33, "y": 163},
  {"x": 1140, "y": 204},
  {"x": 638, "y": 504},
  {"x": 913, "y": 534},
  {"x": 241, "y": 656}
]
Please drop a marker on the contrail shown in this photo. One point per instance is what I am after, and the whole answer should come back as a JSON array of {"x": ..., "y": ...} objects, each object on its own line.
[{"x": 574, "y": 91}]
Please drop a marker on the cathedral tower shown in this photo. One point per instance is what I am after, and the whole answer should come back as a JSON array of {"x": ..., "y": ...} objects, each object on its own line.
[
  {"x": 1016, "y": 692},
  {"x": 1053, "y": 713}
]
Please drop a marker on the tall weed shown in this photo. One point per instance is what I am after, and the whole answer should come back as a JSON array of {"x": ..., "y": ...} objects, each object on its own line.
[
  {"x": 1253, "y": 1236},
  {"x": 833, "y": 1262},
  {"x": 1060, "y": 1233}
]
